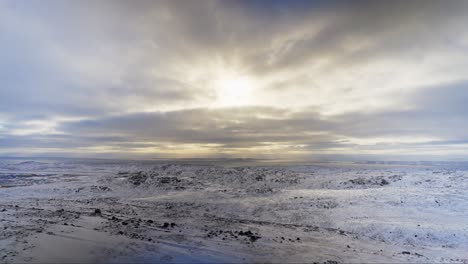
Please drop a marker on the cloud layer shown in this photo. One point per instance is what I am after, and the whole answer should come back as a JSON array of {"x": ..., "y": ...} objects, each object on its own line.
[{"x": 272, "y": 79}]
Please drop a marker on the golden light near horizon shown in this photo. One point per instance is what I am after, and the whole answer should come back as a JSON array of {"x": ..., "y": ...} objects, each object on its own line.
[{"x": 233, "y": 89}]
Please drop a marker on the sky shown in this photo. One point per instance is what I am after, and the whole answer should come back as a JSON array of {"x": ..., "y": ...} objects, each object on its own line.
[{"x": 234, "y": 79}]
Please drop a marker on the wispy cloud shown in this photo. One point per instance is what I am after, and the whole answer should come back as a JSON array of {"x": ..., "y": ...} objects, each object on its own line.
[{"x": 233, "y": 78}]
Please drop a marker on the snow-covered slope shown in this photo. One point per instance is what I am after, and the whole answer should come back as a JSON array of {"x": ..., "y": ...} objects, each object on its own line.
[{"x": 143, "y": 211}]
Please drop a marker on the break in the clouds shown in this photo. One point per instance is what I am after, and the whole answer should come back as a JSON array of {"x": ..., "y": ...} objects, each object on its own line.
[{"x": 270, "y": 79}]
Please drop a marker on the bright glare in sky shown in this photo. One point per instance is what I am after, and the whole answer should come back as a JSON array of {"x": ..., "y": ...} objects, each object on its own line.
[{"x": 234, "y": 90}]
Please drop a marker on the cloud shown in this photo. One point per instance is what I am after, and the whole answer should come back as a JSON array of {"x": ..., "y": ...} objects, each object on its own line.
[{"x": 143, "y": 78}]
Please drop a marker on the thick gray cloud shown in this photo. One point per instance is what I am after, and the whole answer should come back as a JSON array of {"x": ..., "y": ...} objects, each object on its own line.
[
  {"x": 266, "y": 127},
  {"x": 235, "y": 78}
]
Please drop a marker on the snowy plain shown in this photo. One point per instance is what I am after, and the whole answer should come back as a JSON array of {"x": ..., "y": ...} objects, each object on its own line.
[{"x": 113, "y": 211}]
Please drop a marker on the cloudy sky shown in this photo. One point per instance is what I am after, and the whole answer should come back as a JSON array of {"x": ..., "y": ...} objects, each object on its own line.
[{"x": 264, "y": 79}]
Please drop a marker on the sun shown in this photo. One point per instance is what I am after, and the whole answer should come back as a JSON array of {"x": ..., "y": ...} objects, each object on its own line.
[{"x": 234, "y": 90}]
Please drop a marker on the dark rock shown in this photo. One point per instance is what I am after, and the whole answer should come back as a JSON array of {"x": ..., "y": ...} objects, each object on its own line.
[
  {"x": 134, "y": 236},
  {"x": 384, "y": 182},
  {"x": 254, "y": 238},
  {"x": 150, "y": 221},
  {"x": 249, "y": 234},
  {"x": 137, "y": 178},
  {"x": 406, "y": 252},
  {"x": 260, "y": 178},
  {"x": 97, "y": 212},
  {"x": 168, "y": 180},
  {"x": 165, "y": 225}
]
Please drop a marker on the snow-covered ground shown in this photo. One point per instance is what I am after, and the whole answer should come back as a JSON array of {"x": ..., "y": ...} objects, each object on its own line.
[{"x": 128, "y": 211}]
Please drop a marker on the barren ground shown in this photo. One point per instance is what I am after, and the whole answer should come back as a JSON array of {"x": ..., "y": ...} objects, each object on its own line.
[{"x": 116, "y": 211}]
